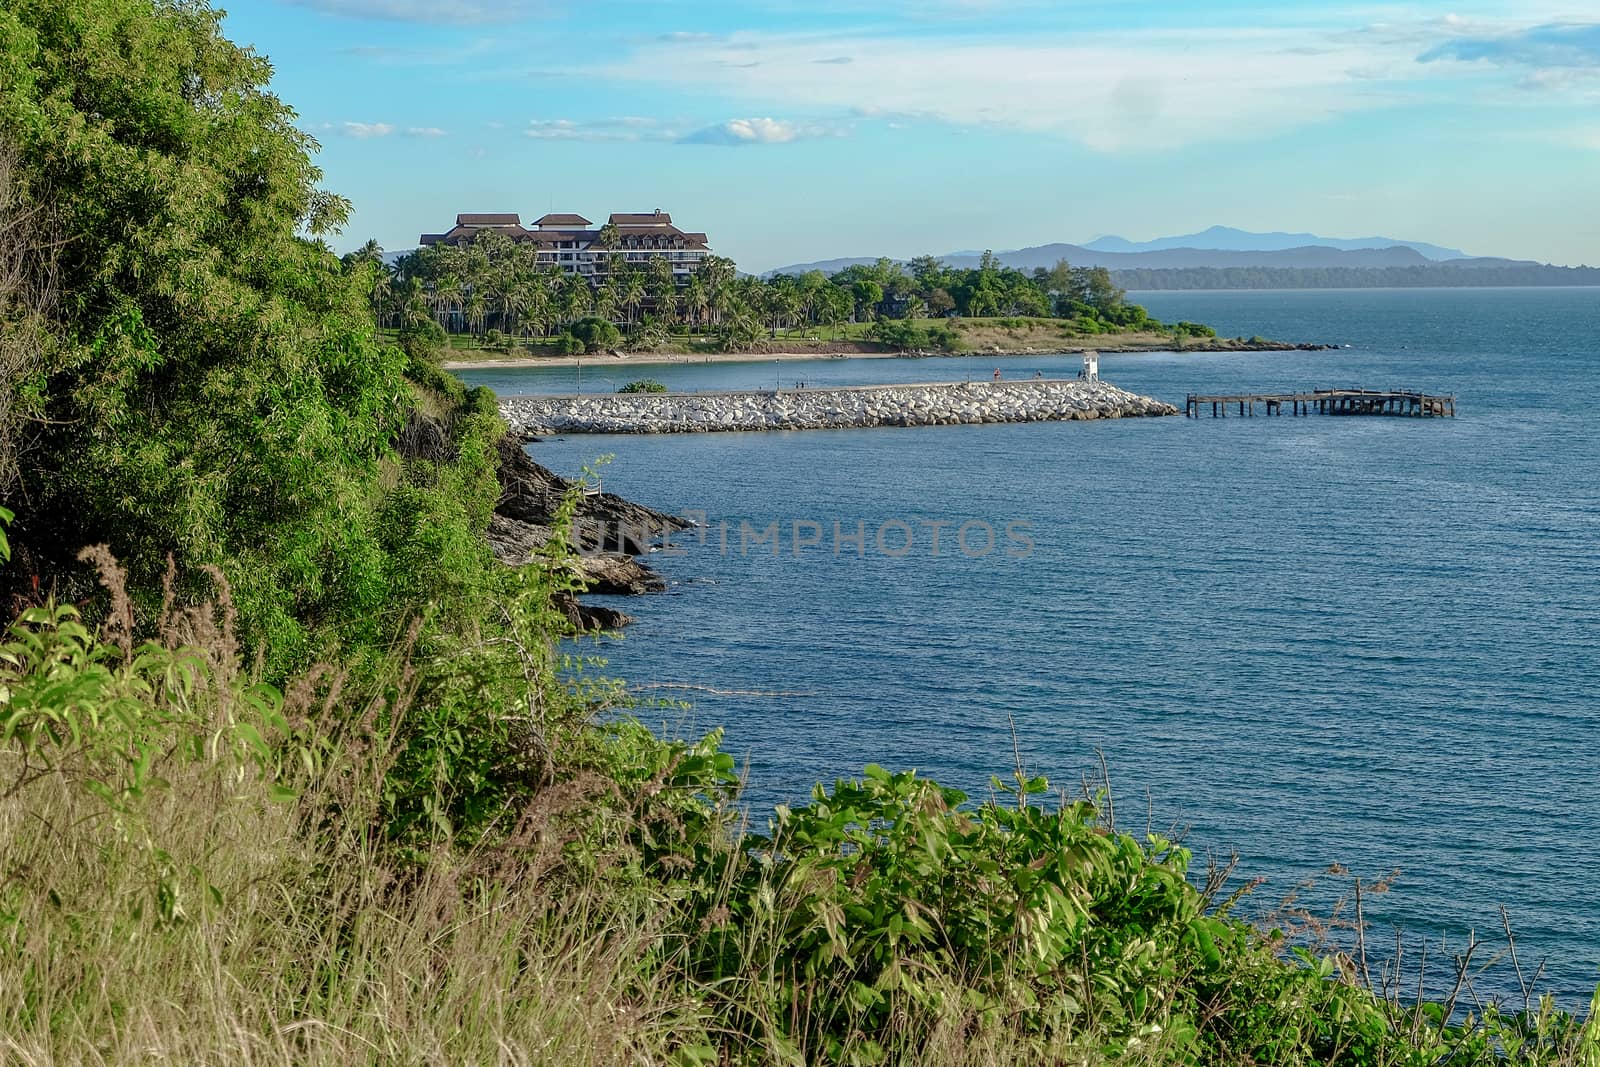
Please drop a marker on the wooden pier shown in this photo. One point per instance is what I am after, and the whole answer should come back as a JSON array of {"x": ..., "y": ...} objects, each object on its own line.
[{"x": 1327, "y": 402}]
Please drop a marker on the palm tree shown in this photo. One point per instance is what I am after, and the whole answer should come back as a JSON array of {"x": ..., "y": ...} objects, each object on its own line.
[
  {"x": 477, "y": 308},
  {"x": 535, "y": 306},
  {"x": 382, "y": 294},
  {"x": 695, "y": 299},
  {"x": 632, "y": 294},
  {"x": 722, "y": 300},
  {"x": 371, "y": 252},
  {"x": 718, "y": 272},
  {"x": 812, "y": 286},
  {"x": 414, "y": 309},
  {"x": 661, "y": 290},
  {"x": 575, "y": 298},
  {"x": 740, "y": 329},
  {"x": 605, "y": 300},
  {"x": 783, "y": 301},
  {"x": 833, "y": 307}
]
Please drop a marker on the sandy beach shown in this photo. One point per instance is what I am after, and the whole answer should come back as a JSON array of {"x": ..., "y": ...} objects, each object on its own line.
[{"x": 647, "y": 359}]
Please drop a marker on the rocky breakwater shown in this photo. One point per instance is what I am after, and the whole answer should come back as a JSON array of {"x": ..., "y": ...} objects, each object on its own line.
[{"x": 850, "y": 407}]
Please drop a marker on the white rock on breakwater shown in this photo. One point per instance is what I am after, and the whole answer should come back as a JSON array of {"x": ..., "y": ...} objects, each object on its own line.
[{"x": 938, "y": 404}]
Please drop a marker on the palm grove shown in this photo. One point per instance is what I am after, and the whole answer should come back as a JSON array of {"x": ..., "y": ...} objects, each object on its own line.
[{"x": 493, "y": 289}]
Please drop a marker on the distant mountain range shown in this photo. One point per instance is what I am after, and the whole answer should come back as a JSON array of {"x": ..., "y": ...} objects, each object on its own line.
[
  {"x": 1226, "y": 238},
  {"x": 1223, "y": 257},
  {"x": 1219, "y": 247}
]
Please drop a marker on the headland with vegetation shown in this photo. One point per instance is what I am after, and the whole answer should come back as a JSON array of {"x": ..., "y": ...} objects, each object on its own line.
[
  {"x": 295, "y": 770},
  {"x": 490, "y": 301}
]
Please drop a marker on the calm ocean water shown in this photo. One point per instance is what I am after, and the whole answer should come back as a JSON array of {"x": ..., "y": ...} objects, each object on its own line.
[{"x": 1362, "y": 641}]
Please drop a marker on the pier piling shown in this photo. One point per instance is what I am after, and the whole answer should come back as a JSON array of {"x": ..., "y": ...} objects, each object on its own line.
[{"x": 1401, "y": 402}]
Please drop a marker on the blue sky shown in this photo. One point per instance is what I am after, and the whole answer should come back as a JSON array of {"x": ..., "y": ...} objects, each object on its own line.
[{"x": 793, "y": 131}]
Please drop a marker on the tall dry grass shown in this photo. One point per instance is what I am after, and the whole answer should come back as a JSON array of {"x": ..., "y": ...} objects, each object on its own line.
[
  {"x": 174, "y": 895},
  {"x": 230, "y": 910}
]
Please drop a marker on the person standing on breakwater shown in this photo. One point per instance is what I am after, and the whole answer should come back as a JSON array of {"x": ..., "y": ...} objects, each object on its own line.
[{"x": 997, "y": 374}]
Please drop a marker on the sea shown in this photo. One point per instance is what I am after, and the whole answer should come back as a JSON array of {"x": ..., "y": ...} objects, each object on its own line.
[{"x": 1335, "y": 647}]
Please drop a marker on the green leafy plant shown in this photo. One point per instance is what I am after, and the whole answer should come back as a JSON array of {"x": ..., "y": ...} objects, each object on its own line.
[
  {"x": 596, "y": 333},
  {"x": 890, "y": 898}
]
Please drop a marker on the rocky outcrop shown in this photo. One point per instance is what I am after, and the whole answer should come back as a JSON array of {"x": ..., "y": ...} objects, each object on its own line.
[
  {"x": 516, "y": 543},
  {"x": 938, "y": 404},
  {"x": 533, "y": 494},
  {"x": 609, "y": 532},
  {"x": 591, "y": 617}
]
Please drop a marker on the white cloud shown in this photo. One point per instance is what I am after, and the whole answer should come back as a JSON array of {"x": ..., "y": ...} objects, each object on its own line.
[
  {"x": 366, "y": 131},
  {"x": 1122, "y": 91},
  {"x": 624, "y": 129},
  {"x": 756, "y": 131}
]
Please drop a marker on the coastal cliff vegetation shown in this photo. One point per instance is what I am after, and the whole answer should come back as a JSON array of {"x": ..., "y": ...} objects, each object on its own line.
[{"x": 292, "y": 770}]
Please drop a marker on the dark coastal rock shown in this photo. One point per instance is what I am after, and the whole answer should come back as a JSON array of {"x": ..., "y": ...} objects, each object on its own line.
[
  {"x": 590, "y": 617},
  {"x": 609, "y": 530},
  {"x": 614, "y": 573},
  {"x": 604, "y": 521},
  {"x": 515, "y": 542}
]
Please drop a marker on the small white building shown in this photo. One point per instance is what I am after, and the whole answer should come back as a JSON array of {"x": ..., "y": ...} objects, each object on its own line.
[{"x": 1091, "y": 367}]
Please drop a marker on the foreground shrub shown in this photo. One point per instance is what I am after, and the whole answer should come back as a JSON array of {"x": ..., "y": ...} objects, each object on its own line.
[
  {"x": 888, "y": 920},
  {"x": 887, "y": 905},
  {"x": 200, "y": 869}
]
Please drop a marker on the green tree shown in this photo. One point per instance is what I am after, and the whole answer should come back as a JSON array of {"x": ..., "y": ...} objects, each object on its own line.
[
  {"x": 213, "y": 388},
  {"x": 661, "y": 289},
  {"x": 695, "y": 300},
  {"x": 633, "y": 290},
  {"x": 1100, "y": 291},
  {"x": 868, "y": 295},
  {"x": 596, "y": 333},
  {"x": 369, "y": 253},
  {"x": 928, "y": 272}
]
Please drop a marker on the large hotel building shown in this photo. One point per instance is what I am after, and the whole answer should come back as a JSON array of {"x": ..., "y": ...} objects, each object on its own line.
[{"x": 570, "y": 243}]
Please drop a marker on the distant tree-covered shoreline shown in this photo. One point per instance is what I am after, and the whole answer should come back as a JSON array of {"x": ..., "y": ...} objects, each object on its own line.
[{"x": 494, "y": 288}]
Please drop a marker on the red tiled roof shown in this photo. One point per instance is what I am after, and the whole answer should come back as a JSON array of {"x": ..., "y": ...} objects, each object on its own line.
[
  {"x": 640, "y": 232},
  {"x": 554, "y": 236},
  {"x": 470, "y": 219},
  {"x": 641, "y": 218},
  {"x": 462, "y": 234},
  {"x": 563, "y": 220}
]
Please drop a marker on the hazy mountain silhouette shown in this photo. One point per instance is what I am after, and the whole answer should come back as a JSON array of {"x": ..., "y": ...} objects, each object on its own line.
[{"x": 1226, "y": 238}]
